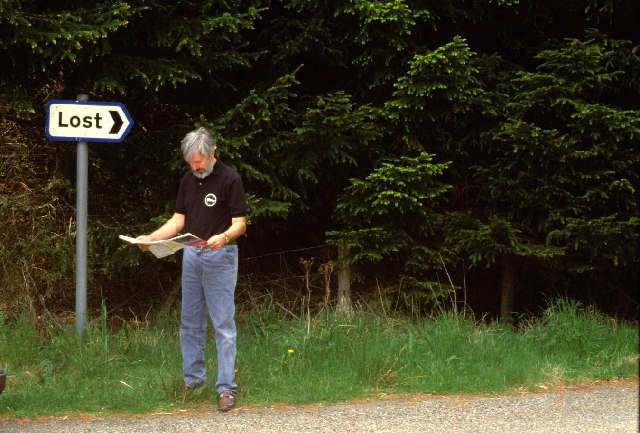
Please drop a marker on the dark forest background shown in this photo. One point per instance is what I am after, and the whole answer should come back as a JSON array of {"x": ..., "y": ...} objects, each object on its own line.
[{"x": 480, "y": 153}]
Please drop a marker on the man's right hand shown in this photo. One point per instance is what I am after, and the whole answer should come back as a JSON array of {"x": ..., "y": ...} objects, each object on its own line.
[{"x": 144, "y": 238}]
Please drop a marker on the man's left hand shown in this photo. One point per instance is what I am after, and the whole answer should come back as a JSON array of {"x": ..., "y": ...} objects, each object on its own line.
[{"x": 215, "y": 242}]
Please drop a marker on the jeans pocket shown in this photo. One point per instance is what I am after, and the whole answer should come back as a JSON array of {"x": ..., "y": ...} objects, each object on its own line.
[{"x": 231, "y": 254}]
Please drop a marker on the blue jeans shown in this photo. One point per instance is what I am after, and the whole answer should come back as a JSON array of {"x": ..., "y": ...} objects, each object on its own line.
[{"x": 208, "y": 288}]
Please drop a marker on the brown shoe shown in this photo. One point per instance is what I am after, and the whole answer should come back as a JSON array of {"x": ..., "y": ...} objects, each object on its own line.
[{"x": 227, "y": 400}]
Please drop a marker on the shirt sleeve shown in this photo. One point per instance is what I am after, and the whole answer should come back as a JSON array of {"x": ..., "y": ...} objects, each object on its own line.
[{"x": 237, "y": 200}]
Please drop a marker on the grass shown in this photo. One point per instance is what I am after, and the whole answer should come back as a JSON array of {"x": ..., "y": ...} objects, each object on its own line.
[{"x": 281, "y": 361}]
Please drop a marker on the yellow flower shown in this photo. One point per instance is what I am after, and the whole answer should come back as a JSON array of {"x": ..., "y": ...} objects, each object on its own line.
[{"x": 290, "y": 351}]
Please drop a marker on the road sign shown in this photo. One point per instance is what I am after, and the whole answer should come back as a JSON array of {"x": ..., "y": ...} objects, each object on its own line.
[
  {"x": 87, "y": 121},
  {"x": 84, "y": 121}
]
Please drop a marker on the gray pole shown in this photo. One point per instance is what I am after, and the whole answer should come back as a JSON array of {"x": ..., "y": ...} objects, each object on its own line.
[
  {"x": 82, "y": 164},
  {"x": 344, "y": 278}
]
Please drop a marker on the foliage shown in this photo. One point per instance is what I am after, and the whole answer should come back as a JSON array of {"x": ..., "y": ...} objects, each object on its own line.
[
  {"x": 437, "y": 86},
  {"x": 36, "y": 243},
  {"x": 391, "y": 215},
  {"x": 565, "y": 161},
  {"x": 435, "y": 137}
]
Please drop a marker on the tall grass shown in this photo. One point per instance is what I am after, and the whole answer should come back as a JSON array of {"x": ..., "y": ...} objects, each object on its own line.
[{"x": 330, "y": 358}]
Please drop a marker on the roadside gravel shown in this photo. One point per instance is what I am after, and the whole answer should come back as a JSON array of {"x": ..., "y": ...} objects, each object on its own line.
[{"x": 605, "y": 408}]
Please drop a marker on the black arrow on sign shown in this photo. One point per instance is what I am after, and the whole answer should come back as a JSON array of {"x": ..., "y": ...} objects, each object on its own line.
[{"x": 117, "y": 122}]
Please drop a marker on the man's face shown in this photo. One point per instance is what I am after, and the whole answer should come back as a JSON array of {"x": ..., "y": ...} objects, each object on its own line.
[{"x": 201, "y": 166}]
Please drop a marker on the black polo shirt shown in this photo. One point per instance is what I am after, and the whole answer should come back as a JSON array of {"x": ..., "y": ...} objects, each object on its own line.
[{"x": 209, "y": 204}]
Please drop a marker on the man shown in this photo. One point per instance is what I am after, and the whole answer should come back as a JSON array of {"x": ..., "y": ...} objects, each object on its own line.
[{"x": 211, "y": 205}]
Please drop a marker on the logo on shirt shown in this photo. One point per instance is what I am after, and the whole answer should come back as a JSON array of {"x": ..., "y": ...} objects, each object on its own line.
[{"x": 210, "y": 200}]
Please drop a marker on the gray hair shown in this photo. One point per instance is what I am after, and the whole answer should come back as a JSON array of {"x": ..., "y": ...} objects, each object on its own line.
[{"x": 200, "y": 140}]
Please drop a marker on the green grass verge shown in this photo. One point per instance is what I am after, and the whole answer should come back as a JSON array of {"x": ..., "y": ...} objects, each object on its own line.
[{"x": 280, "y": 361}]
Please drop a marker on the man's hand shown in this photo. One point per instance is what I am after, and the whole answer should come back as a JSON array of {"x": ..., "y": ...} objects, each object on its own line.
[
  {"x": 144, "y": 238},
  {"x": 168, "y": 230},
  {"x": 216, "y": 242}
]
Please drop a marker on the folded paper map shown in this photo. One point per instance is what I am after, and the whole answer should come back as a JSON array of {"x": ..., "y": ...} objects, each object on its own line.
[{"x": 168, "y": 246}]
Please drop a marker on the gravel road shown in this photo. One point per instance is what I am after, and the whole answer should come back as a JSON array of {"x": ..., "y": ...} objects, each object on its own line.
[{"x": 606, "y": 408}]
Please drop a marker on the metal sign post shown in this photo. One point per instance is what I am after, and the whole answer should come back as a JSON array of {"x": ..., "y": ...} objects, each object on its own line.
[
  {"x": 82, "y": 182},
  {"x": 85, "y": 121}
]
